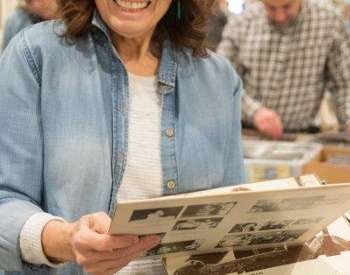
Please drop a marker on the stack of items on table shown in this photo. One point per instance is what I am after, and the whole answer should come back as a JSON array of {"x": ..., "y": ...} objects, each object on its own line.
[{"x": 265, "y": 160}]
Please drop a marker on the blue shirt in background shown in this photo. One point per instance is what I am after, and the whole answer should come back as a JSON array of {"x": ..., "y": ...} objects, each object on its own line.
[{"x": 19, "y": 20}]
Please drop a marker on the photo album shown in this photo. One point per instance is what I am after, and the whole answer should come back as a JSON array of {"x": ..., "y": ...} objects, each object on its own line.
[{"x": 272, "y": 214}]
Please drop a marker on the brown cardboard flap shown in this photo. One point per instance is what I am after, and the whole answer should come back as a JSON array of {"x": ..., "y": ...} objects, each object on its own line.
[{"x": 330, "y": 172}]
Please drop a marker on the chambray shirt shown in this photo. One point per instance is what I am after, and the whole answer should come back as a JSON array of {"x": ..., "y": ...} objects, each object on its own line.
[
  {"x": 64, "y": 122},
  {"x": 18, "y": 21}
]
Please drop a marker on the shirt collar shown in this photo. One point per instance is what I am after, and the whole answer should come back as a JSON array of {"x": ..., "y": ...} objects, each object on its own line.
[
  {"x": 168, "y": 65},
  {"x": 99, "y": 24}
]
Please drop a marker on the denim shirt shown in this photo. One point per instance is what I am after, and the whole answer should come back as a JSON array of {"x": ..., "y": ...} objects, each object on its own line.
[
  {"x": 18, "y": 21},
  {"x": 64, "y": 129}
]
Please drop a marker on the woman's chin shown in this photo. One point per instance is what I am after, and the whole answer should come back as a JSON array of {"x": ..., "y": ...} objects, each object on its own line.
[{"x": 130, "y": 29}]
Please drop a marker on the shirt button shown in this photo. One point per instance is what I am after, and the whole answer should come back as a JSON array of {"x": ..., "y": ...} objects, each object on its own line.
[
  {"x": 171, "y": 184},
  {"x": 169, "y": 132}
]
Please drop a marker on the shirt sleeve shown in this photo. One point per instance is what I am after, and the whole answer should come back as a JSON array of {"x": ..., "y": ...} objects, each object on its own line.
[
  {"x": 229, "y": 45},
  {"x": 249, "y": 107},
  {"x": 30, "y": 239},
  {"x": 229, "y": 48},
  {"x": 21, "y": 147},
  {"x": 338, "y": 72}
]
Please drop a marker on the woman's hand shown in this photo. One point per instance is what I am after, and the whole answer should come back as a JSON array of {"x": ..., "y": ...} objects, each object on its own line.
[{"x": 88, "y": 243}]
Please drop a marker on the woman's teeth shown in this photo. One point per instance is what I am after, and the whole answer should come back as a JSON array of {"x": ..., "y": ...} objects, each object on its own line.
[{"x": 132, "y": 5}]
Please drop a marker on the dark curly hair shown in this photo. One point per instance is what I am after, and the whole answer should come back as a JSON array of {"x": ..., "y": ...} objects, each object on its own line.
[{"x": 189, "y": 32}]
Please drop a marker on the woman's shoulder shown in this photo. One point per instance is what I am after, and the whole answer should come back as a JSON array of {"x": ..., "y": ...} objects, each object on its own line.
[
  {"x": 43, "y": 44},
  {"x": 218, "y": 61},
  {"x": 45, "y": 41},
  {"x": 44, "y": 34},
  {"x": 213, "y": 65}
]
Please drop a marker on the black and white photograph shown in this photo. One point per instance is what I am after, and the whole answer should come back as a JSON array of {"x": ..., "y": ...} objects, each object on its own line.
[
  {"x": 308, "y": 221},
  {"x": 281, "y": 236},
  {"x": 196, "y": 263},
  {"x": 244, "y": 227},
  {"x": 197, "y": 224},
  {"x": 235, "y": 240},
  {"x": 273, "y": 225},
  {"x": 166, "y": 248},
  {"x": 212, "y": 258},
  {"x": 203, "y": 210},
  {"x": 254, "y": 226},
  {"x": 276, "y": 237},
  {"x": 156, "y": 214},
  {"x": 290, "y": 204},
  {"x": 240, "y": 265}
]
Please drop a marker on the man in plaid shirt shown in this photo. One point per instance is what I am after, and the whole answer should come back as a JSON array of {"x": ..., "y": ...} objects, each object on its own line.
[{"x": 288, "y": 52}]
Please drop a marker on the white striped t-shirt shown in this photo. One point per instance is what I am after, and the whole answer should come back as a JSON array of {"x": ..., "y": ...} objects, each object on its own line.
[{"x": 143, "y": 176}]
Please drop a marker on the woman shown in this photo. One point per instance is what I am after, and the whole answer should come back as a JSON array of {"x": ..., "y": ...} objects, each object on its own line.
[
  {"x": 28, "y": 13},
  {"x": 120, "y": 102}
]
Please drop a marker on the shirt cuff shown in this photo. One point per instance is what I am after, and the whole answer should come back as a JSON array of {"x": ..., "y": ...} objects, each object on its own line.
[
  {"x": 250, "y": 106},
  {"x": 30, "y": 239}
]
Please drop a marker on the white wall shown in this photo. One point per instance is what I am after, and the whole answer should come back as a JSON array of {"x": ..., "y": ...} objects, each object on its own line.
[{"x": 236, "y": 6}]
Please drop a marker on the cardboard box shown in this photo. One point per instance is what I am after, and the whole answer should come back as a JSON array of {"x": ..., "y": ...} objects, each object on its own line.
[{"x": 332, "y": 164}]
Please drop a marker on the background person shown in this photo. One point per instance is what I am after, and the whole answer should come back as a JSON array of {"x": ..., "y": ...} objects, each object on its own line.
[
  {"x": 120, "y": 102},
  {"x": 28, "y": 13},
  {"x": 288, "y": 53}
]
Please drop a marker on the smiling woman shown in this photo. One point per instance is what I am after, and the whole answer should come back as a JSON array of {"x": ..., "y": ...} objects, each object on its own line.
[
  {"x": 118, "y": 100},
  {"x": 184, "y": 21}
]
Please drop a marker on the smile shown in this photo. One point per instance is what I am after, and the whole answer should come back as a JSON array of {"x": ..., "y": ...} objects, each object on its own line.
[{"x": 132, "y": 5}]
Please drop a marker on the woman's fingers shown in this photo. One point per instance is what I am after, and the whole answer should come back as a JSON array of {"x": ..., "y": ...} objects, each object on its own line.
[
  {"x": 96, "y": 256},
  {"x": 97, "y": 251},
  {"x": 90, "y": 240},
  {"x": 115, "y": 261}
]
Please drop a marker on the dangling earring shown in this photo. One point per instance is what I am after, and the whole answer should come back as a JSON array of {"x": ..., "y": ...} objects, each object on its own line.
[{"x": 178, "y": 11}]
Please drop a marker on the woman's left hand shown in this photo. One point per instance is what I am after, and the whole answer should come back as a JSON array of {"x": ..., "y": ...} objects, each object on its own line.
[{"x": 88, "y": 243}]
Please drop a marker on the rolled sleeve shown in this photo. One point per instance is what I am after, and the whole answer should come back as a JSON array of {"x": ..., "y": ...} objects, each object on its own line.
[
  {"x": 30, "y": 239},
  {"x": 21, "y": 149},
  {"x": 249, "y": 108},
  {"x": 338, "y": 68}
]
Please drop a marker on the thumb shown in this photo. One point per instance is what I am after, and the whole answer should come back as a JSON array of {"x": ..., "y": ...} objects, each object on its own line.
[{"x": 100, "y": 222}]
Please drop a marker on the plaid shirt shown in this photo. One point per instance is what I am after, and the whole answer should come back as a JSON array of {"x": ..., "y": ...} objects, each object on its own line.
[{"x": 288, "y": 70}]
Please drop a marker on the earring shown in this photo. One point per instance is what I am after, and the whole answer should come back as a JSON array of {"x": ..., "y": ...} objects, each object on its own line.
[{"x": 178, "y": 10}]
